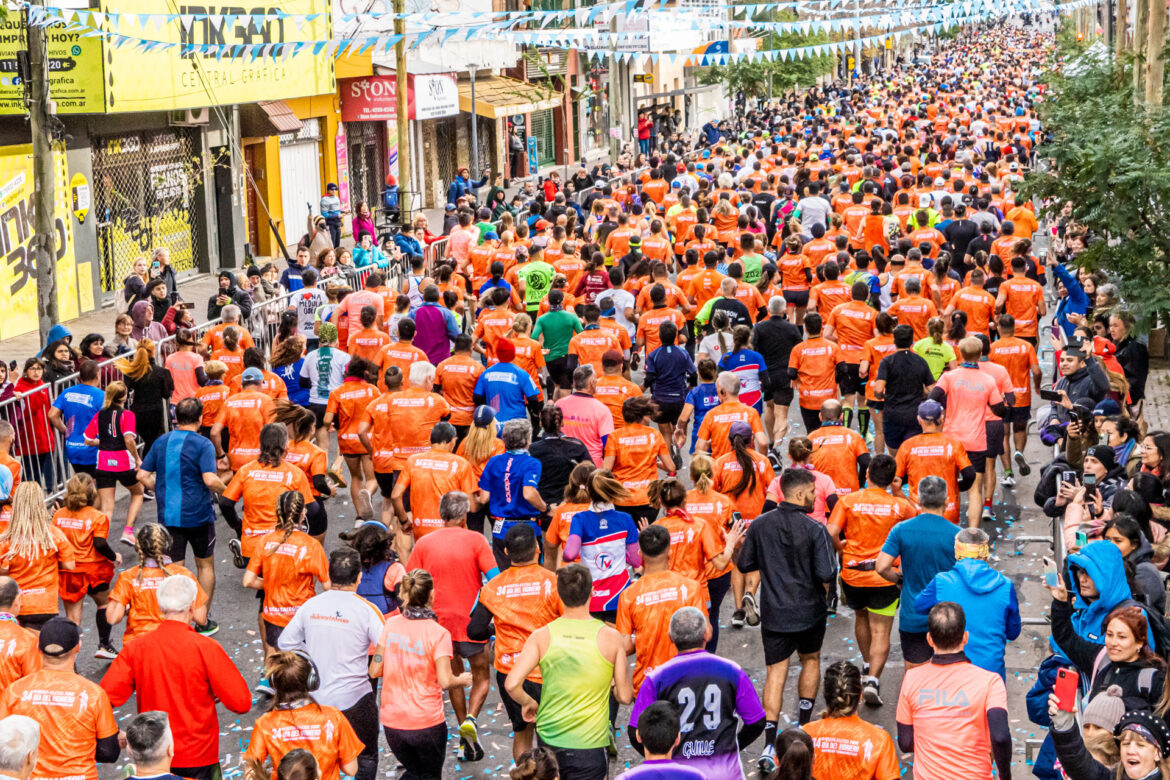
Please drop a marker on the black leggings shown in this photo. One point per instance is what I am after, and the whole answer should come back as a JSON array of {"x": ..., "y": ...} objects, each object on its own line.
[
  {"x": 363, "y": 716},
  {"x": 717, "y": 587},
  {"x": 421, "y": 751},
  {"x": 811, "y": 419}
]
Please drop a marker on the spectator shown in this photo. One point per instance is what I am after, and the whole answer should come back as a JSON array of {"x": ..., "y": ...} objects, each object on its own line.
[
  {"x": 1133, "y": 356},
  {"x": 982, "y": 592},
  {"x": 133, "y": 286},
  {"x": 1082, "y": 380},
  {"x": 174, "y": 670},
  {"x": 461, "y": 184},
  {"x": 955, "y": 728},
  {"x": 151, "y": 387},
  {"x": 59, "y": 360},
  {"x": 1144, "y": 742},
  {"x": 228, "y": 293},
  {"x": 35, "y": 441},
  {"x": 142, "y": 315}
]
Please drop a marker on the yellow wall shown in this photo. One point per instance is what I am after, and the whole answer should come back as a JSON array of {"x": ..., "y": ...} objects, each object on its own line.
[{"x": 323, "y": 107}]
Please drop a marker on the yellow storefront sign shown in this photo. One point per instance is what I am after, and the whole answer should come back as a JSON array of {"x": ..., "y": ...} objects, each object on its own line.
[
  {"x": 18, "y": 285},
  {"x": 163, "y": 80},
  {"x": 75, "y": 69}
]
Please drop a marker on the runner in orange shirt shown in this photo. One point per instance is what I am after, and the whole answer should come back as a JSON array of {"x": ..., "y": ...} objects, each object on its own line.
[
  {"x": 19, "y": 655},
  {"x": 716, "y": 426},
  {"x": 312, "y": 460},
  {"x": 594, "y": 341},
  {"x": 634, "y": 453},
  {"x": 287, "y": 564},
  {"x": 1019, "y": 358},
  {"x": 402, "y": 354},
  {"x": 346, "y": 407},
  {"x": 851, "y": 325},
  {"x": 1023, "y": 299},
  {"x": 937, "y": 454},
  {"x": 976, "y": 303},
  {"x": 260, "y": 483},
  {"x": 813, "y": 368},
  {"x": 212, "y": 395},
  {"x": 795, "y": 278},
  {"x": 133, "y": 596},
  {"x": 838, "y": 451},
  {"x": 827, "y": 295},
  {"x": 214, "y": 337},
  {"x": 859, "y": 525},
  {"x": 529, "y": 353},
  {"x": 379, "y": 439},
  {"x": 493, "y": 324},
  {"x": 243, "y": 415},
  {"x": 648, "y": 324},
  {"x": 520, "y": 599},
  {"x": 744, "y": 474},
  {"x": 270, "y": 384},
  {"x": 613, "y": 389},
  {"x": 844, "y": 745},
  {"x": 86, "y": 530},
  {"x": 914, "y": 310},
  {"x": 367, "y": 342},
  {"x": 699, "y": 547},
  {"x": 430, "y": 475},
  {"x": 231, "y": 354},
  {"x": 456, "y": 377},
  {"x": 33, "y": 551},
  {"x": 646, "y": 607}
]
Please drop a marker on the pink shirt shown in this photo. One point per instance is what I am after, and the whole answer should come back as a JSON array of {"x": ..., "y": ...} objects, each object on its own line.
[
  {"x": 460, "y": 240},
  {"x": 1003, "y": 381},
  {"x": 353, "y": 303},
  {"x": 969, "y": 392},
  {"x": 587, "y": 420},
  {"x": 182, "y": 366},
  {"x": 411, "y": 696},
  {"x": 947, "y": 705},
  {"x": 824, "y": 487}
]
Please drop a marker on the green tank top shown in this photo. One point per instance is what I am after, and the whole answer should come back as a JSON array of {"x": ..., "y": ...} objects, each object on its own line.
[
  {"x": 574, "y": 696},
  {"x": 753, "y": 268}
]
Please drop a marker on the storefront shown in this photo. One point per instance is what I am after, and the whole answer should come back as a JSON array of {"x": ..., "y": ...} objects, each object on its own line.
[{"x": 509, "y": 105}]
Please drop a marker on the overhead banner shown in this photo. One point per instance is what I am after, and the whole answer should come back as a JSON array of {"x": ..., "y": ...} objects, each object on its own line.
[
  {"x": 375, "y": 98},
  {"x": 18, "y": 283},
  {"x": 163, "y": 78},
  {"x": 75, "y": 69}
]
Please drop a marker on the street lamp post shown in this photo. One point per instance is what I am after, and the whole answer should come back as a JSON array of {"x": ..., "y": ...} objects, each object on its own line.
[{"x": 474, "y": 129}]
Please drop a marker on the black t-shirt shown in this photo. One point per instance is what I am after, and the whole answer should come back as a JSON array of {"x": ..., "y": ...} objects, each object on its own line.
[
  {"x": 960, "y": 234},
  {"x": 980, "y": 244},
  {"x": 907, "y": 376},
  {"x": 774, "y": 339},
  {"x": 735, "y": 309},
  {"x": 557, "y": 456}
]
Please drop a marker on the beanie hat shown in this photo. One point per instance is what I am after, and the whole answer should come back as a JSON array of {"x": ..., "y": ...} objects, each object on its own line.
[
  {"x": 1105, "y": 709},
  {"x": 1105, "y": 454},
  {"x": 505, "y": 351}
]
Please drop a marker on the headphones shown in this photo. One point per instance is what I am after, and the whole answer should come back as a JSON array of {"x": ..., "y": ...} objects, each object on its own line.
[{"x": 314, "y": 681}]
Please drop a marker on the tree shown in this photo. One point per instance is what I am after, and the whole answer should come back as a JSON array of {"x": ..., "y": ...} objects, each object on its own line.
[
  {"x": 1110, "y": 166},
  {"x": 755, "y": 78}
]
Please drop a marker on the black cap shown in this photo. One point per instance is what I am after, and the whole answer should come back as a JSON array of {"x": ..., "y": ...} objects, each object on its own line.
[
  {"x": 58, "y": 636},
  {"x": 1151, "y": 728}
]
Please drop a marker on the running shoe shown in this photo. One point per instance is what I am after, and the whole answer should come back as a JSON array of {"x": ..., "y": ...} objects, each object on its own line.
[
  {"x": 237, "y": 553},
  {"x": 751, "y": 613},
  {"x": 106, "y": 651},
  {"x": 612, "y": 749},
  {"x": 264, "y": 688},
  {"x": 1008, "y": 480},
  {"x": 737, "y": 618},
  {"x": 336, "y": 478},
  {"x": 767, "y": 761},
  {"x": 365, "y": 505},
  {"x": 1022, "y": 463},
  {"x": 147, "y": 495},
  {"x": 128, "y": 535},
  {"x": 210, "y": 628},
  {"x": 469, "y": 729},
  {"x": 469, "y": 751},
  {"x": 871, "y": 692}
]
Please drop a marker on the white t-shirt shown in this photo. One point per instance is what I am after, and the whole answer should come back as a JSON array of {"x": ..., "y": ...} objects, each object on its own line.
[
  {"x": 325, "y": 369},
  {"x": 306, "y": 301},
  {"x": 710, "y": 345},
  {"x": 622, "y": 300},
  {"x": 336, "y": 628}
]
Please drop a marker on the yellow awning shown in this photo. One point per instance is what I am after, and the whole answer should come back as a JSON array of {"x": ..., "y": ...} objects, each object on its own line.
[{"x": 497, "y": 97}]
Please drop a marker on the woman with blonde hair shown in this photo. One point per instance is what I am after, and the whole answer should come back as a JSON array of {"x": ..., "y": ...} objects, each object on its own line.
[
  {"x": 151, "y": 386},
  {"x": 295, "y": 720},
  {"x": 32, "y": 552},
  {"x": 413, "y": 658},
  {"x": 480, "y": 445},
  {"x": 87, "y": 530},
  {"x": 134, "y": 596},
  {"x": 705, "y": 503},
  {"x": 113, "y": 430}
]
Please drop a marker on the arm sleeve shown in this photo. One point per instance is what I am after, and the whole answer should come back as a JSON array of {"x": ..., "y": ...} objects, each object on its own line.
[
  {"x": 107, "y": 750},
  {"x": 966, "y": 478},
  {"x": 905, "y": 737},
  {"x": 1013, "y": 624},
  {"x": 1001, "y": 742},
  {"x": 479, "y": 628},
  {"x": 1080, "y": 651}
]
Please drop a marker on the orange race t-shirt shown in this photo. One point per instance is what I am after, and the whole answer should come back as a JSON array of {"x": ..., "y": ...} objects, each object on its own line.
[
  {"x": 80, "y": 527},
  {"x": 317, "y": 728},
  {"x": 727, "y": 475},
  {"x": 456, "y": 377},
  {"x": 73, "y": 714},
  {"x": 933, "y": 454},
  {"x": 849, "y": 748},
  {"x": 1019, "y": 358},
  {"x": 1022, "y": 299},
  {"x": 865, "y": 519},
  {"x": 522, "y": 599},
  {"x": 717, "y": 422},
  {"x": 37, "y": 575},
  {"x": 309, "y": 458},
  {"x": 347, "y": 404},
  {"x": 815, "y": 361},
  {"x": 852, "y": 323},
  {"x": 876, "y": 349},
  {"x": 19, "y": 654},
  {"x": 290, "y": 567},
  {"x": 590, "y": 344},
  {"x": 979, "y": 306},
  {"x": 644, "y": 612},
  {"x": 693, "y": 542},
  {"x": 613, "y": 391},
  {"x": 403, "y": 420},
  {"x": 914, "y": 311},
  {"x": 244, "y": 415},
  {"x": 636, "y": 449},
  {"x": 650, "y": 322},
  {"x": 835, "y": 452},
  {"x": 260, "y": 486},
  {"x": 135, "y": 589},
  {"x": 403, "y": 356},
  {"x": 429, "y": 476}
]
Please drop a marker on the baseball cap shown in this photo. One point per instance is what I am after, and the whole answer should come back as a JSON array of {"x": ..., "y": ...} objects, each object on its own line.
[
  {"x": 331, "y": 187},
  {"x": 251, "y": 374},
  {"x": 740, "y": 428},
  {"x": 58, "y": 636},
  {"x": 635, "y": 241},
  {"x": 484, "y": 416},
  {"x": 450, "y": 207},
  {"x": 491, "y": 236},
  {"x": 930, "y": 410},
  {"x": 505, "y": 351}
]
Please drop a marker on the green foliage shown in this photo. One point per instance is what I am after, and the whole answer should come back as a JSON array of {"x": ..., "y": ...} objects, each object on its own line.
[
  {"x": 1111, "y": 167},
  {"x": 753, "y": 77}
]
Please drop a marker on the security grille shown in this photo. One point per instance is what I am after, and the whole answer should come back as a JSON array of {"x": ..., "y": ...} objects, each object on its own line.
[
  {"x": 146, "y": 197},
  {"x": 367, "y": 162},
  {"x": 445, "y": 150},
  {"x": 543, "y": 129},
  {"x": 486, "y": 138}
]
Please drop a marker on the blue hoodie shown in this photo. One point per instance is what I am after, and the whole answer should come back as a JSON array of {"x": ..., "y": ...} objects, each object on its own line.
[
  {"x": 989, "y": 602},
  {"x": 56, "y": 333},
  {"x": 1103, "y": 562}
]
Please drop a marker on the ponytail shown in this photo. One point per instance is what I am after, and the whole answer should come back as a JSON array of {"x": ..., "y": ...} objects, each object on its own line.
[
  {"x": 667, "y": 493},
  {"x": 605, "y": 489},
  {"x": 702, "y": 469},
  {"x": 747, "y": 477}
]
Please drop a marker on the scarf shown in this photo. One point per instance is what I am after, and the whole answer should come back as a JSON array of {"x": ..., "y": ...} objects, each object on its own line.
[{"x": 418, "y": 613}]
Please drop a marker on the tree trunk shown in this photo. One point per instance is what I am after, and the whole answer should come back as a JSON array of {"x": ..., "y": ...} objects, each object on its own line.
[
  {"x": 1140, "y": 44},
  {"x": 1156, "y": 64},
  {"x": 1121, "y": 27}
]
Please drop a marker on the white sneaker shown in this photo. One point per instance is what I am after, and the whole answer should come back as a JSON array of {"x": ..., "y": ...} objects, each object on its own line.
[
  {"x": 767, "y": 761},
  {"x": 1008, "y": 480},
  {"x": 871, "y": 692}
]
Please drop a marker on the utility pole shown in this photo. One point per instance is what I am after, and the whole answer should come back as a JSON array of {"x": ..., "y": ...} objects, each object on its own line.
[
  {"x": 401, "y": 92},
  {"x": 44, "y": 240},
  {"x": 474, "y": 159}
]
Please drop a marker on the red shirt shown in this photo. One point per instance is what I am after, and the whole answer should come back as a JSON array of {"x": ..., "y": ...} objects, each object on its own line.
[{"x": 177, "y": 671}]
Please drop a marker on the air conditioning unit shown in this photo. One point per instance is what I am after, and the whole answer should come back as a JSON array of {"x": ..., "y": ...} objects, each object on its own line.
[{"x": 192, "y": 117}]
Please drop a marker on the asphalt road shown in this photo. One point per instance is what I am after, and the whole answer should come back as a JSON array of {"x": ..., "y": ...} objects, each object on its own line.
[{"x": 235, "y": 609}]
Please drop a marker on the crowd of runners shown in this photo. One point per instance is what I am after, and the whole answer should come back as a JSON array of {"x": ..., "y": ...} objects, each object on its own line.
[{"x": 555, "y": 500}]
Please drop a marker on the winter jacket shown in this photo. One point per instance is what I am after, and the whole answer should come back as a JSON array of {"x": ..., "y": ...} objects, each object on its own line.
[
  {"x": 1089, "y": 382},
  {"x": 988, "y": 600},
  {"x": 1149, "y": 577},
  {"x": 1075, "y": 760},
  {"x": 238, "y": 297},
  {"x": 460, "y": 186},
  {"x": 1037, "y": 703},
  {"x": 34, "y": 436},
  {"x": 409, "y": 246},
  {"x": 363, "y": 257},
  {"x": 56, "y": 333}
]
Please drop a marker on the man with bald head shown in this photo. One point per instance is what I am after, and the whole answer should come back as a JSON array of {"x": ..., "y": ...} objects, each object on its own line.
[
  {"x": 25, "y": 658},
  {"x": 839, "y": 451}
]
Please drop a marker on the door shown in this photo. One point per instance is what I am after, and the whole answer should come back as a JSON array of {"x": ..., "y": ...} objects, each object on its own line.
[
  {"x": 543, "y": 129},
  {"x": 253, "y": 206},
  {"x": 300, "y": 187},
  {"x": 224, "y": 208}
]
